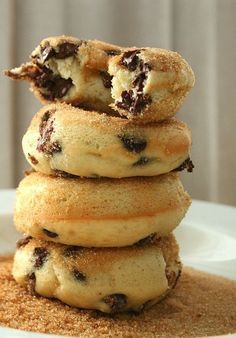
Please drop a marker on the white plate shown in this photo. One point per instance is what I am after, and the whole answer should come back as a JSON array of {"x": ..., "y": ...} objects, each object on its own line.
[{"x": 207, "y": 238}]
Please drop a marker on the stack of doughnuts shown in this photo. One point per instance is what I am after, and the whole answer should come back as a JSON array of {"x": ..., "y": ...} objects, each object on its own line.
[{"x": 99, "y": 207}]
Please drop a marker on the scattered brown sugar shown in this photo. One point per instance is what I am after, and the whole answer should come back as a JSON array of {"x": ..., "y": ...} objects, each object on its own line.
[{"x": 201, "y": 305}]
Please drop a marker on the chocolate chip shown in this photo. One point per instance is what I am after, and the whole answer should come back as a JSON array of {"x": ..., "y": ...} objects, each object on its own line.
[
  {"x": 140, "y": 102},
  {"x": 147, "y": 240},
  {"x": 126, "y": 100},
  {"x": 112, "y": 52},
  {"x": 50, "y": 233},
  {"x": 62, "y": 51},
  {"x": 130, "y": 59},
  {"x": 79, "y": 275},
  {"x": 32, "y": 159},
  {"x": 139, "y": 81},
  {"x": 187, "y": 164},
  {"x": 57, "y": 87},
  {"x": 132, "y": 143},
  {"x": 40, "y": 256},
  {"x": 64, "y": 174},
  {"x": 31, "y": 283},
  {"x": 23, "y": 241},
  {"x": 71, "y": 250},
  {"x": 133, "y": 103},
  {"x": 65, "y": 50},
  {"x": 106, "y": 79},
  {"x": 46, "y": 128},
  {"x": 142, "y": 161},
  {"x": 117, "y": 302}
]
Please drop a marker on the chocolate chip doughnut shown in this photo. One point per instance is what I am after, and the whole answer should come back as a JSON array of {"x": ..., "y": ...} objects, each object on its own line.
[
  {"x": 99, "y": 212},
  {"x": 63, "y": 140},
  {"x": 107, "y": 279},
  {"x": 149, "y": 84},
  {"x": 71, "y": 70},
  {"x": 145, "y": 84}
]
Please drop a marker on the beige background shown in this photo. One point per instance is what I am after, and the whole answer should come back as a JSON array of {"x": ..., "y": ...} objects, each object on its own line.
[{"x": 203, "y": 31}]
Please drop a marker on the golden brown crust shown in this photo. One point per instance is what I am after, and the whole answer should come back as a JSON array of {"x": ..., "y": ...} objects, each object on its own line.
[
  {"x": 113, "y": 212},
  {"x": 104, "y": 145}
]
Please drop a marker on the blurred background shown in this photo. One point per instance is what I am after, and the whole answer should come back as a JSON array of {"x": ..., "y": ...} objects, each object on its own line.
[{"x": 203, "y": 31}]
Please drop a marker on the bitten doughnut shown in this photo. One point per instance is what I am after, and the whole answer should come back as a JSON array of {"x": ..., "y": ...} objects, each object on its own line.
[
  {"x": 110, "y": 280},
  {"x": 145, "y": 84},
  {"x": 149, "y": 84},
  {"x": 70, "y": 70},
  {"x": 99, "y": 212},
  {"x": 64, "y": 140}
]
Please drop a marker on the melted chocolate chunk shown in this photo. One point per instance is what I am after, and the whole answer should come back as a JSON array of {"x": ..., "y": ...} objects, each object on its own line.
[
  {"x": 23, "y": 241},
  {"x": 112, "y": 52},
  {"x": 126, "y": 100},
  {"x": 106, "y": 79},
  {"x": 140, "y": 102},
  {"x": 55, "y": 85},
  {"x": 63, "y": 51},
  {"x": 142, "y": 161},
  {"x": 133, "y": 103},
  {"x": 147, "y": 240},
  {"x": 32, "y": 159},
  {"x": 46, "y": 129},
  {"x": 50, "y": 233},
  {"x": 71, "y": 250},
  {"x": 130, "y": 59},
  {"x": 79, "y": 275},
  {"x": 133, "y": 143},
  {"x": 31, "y": 283},
  {"x": 135, "y": 100},
  {"x": 140, "y": 79},
  {"x": 64, "y": 174},
  {"x": 117, "y": 302},
  {"x": 187, "y": 164},
  {"x": 40, "y": 256}
]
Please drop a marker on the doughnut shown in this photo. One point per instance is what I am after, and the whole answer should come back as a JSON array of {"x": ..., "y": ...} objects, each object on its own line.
[
  {"x": 62, "y": 140},
  {"x": 106, "y": 279},
  {"x": 144, "y": 84},
  {"x": 99, "y": 212}
]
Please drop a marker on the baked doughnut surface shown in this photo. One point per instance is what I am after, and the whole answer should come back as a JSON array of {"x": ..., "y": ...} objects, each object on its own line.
[
  {"x": 110, "y": 280},
  {"x": 99, "y": 212},
  {"x": 62, "y": 138},
  {"x": 145, "y": 84}
]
